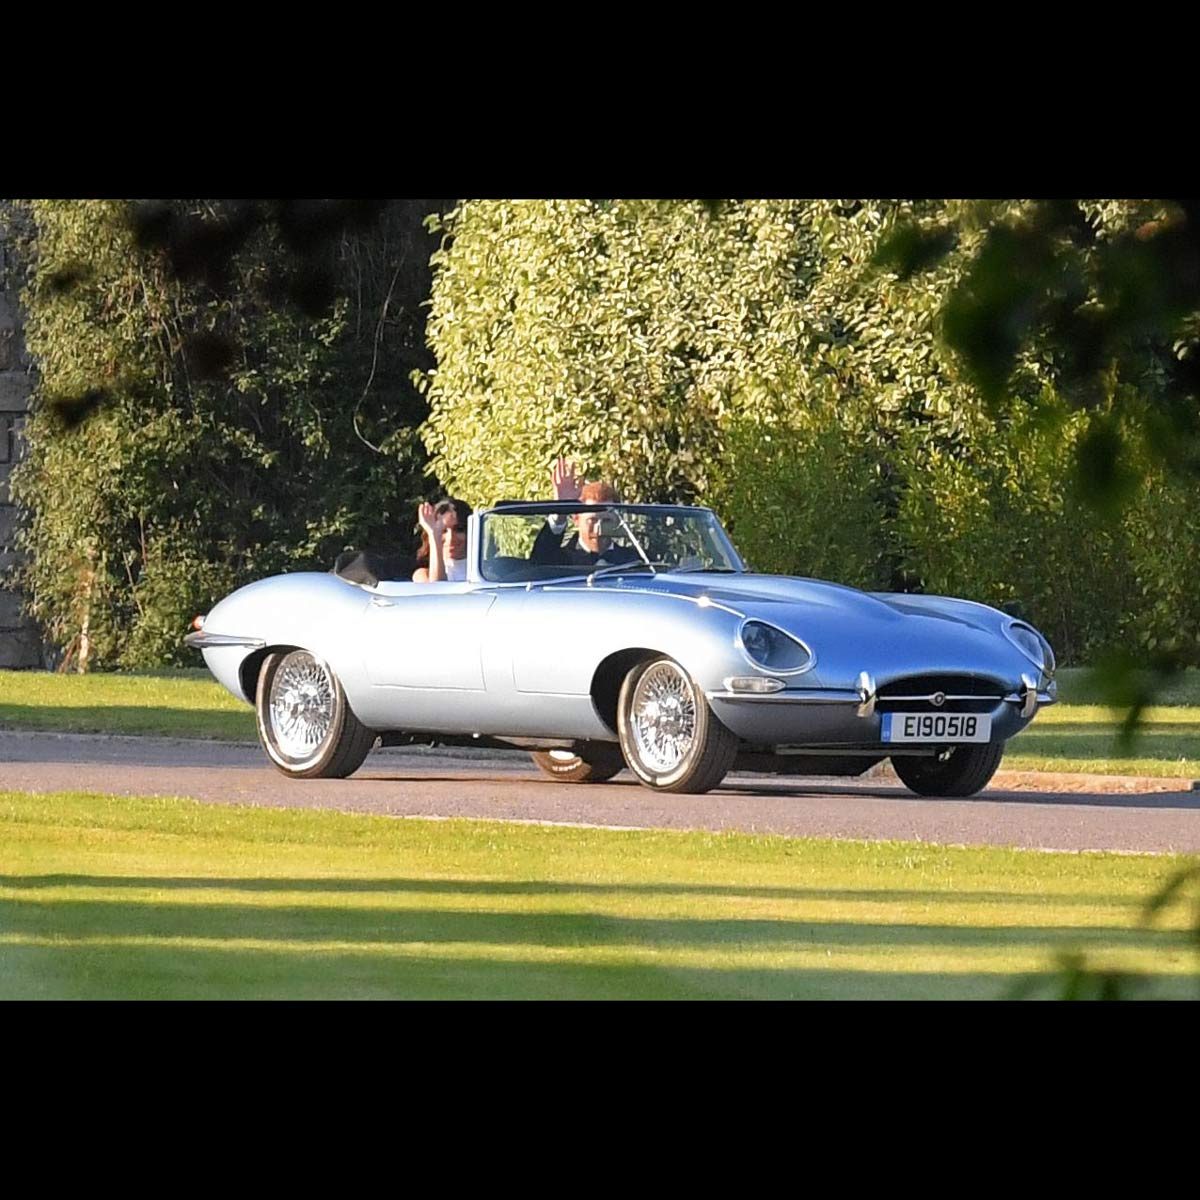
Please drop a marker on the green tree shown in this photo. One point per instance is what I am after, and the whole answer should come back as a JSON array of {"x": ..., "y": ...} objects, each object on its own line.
[
  {"x": 192, "y": 429},
  {"x": 787, "y": 362},
  {"x": 1093, "y": 306}
]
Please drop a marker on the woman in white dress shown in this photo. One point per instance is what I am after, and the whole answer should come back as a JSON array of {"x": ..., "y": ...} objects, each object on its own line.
[{"x": 443, "y": 542}]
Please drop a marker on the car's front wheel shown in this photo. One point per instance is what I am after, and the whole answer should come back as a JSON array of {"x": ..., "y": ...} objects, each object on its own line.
[
  {"x": 588, "y": 762},
  {"x": 960, "y": 771},
  {"x": 305, "y": 723},
  {"x": 671, "y": 738}
]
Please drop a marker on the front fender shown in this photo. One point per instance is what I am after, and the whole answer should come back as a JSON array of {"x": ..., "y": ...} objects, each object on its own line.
[
  {"x": 560, "y": 635},
  {"x": 316, "y": 611}
]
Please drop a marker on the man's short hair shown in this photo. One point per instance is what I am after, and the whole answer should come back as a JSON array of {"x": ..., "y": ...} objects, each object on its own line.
[{"x": 599, "y": 492}]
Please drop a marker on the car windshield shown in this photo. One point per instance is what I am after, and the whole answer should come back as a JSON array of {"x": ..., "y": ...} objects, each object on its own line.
[{"x": 536, "y": 542}]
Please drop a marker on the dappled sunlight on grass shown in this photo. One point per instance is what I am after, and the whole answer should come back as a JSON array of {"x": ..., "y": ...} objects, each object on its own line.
[
  {"x": 1086, "y": 738},
  {"x": 133, "y": 897}
]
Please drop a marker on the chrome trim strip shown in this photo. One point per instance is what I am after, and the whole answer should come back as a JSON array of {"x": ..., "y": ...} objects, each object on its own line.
[
  {"x": 701, "y": 601},
  {"x": 945, "y": 696},
  {"x": 842, "y": 696},
  {"x": 815, "y": 696},
  {"x": 1043, "y": 698},
  {"x": 202, "y": 640}
]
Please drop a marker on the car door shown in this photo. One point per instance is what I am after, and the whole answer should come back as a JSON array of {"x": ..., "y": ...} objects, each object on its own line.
[{"x": 426, "y": 636}]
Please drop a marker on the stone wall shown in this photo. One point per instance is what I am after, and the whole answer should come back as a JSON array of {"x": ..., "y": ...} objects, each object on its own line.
[{"x": 20, "y": 644}]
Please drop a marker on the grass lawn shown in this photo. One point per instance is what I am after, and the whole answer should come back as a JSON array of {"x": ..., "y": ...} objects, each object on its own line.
[
  {"x": 1075, "y": 735},
  {"x": 154, "y": 898},
  {"x": 1083, "y": 737},
  {"x": 173, "y": 703},
  {"x": 1081, "y": 734}
]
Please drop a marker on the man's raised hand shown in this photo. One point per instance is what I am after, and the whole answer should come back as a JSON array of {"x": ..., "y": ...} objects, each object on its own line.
[{"x": 567, "y": 485}]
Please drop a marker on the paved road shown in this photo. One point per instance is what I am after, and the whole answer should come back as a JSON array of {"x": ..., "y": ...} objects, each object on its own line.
[{"x": 1079, "y": 814}]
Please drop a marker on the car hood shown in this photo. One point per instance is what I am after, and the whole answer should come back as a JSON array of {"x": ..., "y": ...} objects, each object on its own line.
[
  {"x": 774, "y": 595},
  {"x": 889, "y": 634}
]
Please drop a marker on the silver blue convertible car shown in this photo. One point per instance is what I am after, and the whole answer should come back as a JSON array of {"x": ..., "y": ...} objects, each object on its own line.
[{"x": 628, "y": 635}]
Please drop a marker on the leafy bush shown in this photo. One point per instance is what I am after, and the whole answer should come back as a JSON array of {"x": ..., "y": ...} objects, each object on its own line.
[
  {"x": 617, "y": 332},
  {"x": 800, "y": 496},
  {"x": 783, "y": 361},
  {"x": 1001, "y": 521},
  {"x": 191, "y": 435},
  {"x": 1162, "y": 523}
]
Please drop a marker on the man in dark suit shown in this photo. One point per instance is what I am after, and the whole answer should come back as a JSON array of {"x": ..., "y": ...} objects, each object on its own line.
[{"x": 588, "y": 546}]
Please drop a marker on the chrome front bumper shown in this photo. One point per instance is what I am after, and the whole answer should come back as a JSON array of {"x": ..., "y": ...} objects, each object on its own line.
[
  {"x": 203, "y": 640},
  {"x": 847, "y": 716}
]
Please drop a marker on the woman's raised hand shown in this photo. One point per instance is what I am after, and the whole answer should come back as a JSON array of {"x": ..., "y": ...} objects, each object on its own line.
[{"x": 429, "y": 520}]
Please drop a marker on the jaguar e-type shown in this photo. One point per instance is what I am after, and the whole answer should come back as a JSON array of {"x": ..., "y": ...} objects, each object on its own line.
[{"x": 647, "y": 645}]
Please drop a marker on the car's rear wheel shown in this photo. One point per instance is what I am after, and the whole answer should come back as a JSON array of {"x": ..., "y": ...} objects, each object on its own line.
[
  {"x": 305, "y": 723},
  {"x": 587, "y": 762},
  {"x": 671, "y": 739},
  {"x": 960, "y": 771}
]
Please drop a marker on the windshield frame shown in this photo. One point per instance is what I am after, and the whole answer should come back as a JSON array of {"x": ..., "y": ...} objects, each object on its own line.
[{"x": 550, "y": 508}]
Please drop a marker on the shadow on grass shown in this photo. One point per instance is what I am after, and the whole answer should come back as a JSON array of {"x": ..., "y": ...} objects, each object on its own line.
[
  {"x": 1182, "y": 799},
  {"x": 112, "y": 947},
  {"x": 1080, "y": 685},
  {"x": 296, "y": 923},
  {"x": 489, "y": 887},
  {"x": 99, "y": 971},
  {"x": 170, "y": 973},
  {"x": 130, "y": 719}
]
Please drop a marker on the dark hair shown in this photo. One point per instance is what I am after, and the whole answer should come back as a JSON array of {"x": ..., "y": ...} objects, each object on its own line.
[{"x": 460, "y": 508}]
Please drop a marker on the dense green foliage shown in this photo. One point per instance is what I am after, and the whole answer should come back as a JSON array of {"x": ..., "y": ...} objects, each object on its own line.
[
  {"x": 831, "y": 376},
  {"x": 785, "y": 362},
  {"x": 1082, "y": 318},
  {"x": 190, "y": 434}
]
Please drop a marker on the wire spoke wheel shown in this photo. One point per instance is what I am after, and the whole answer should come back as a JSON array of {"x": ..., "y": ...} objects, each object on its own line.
[
  {"x": 305, "y": 723},
  {"x": 301, "y": 705},
  {"x": 663, "y": 718},
  {"x": 586, "y": 762},
  {"x": 670, "y": 737}
]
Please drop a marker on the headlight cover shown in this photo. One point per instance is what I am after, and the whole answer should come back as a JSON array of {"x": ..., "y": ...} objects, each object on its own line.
[
  {"x": 1033, "y": 646},
  {"x": 771, "y": 649}
]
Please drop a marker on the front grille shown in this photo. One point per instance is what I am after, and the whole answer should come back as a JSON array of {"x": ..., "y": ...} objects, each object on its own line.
[{"x": 898, "y": 695}]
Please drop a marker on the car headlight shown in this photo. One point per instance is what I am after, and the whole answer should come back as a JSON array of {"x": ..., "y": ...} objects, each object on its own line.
[
  {"x": 1033, "y": 646},
  {"x": 772, "y": 649}
]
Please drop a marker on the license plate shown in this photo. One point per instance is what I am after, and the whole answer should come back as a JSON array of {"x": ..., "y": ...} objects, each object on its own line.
[{"x": 936, "y": 727}]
